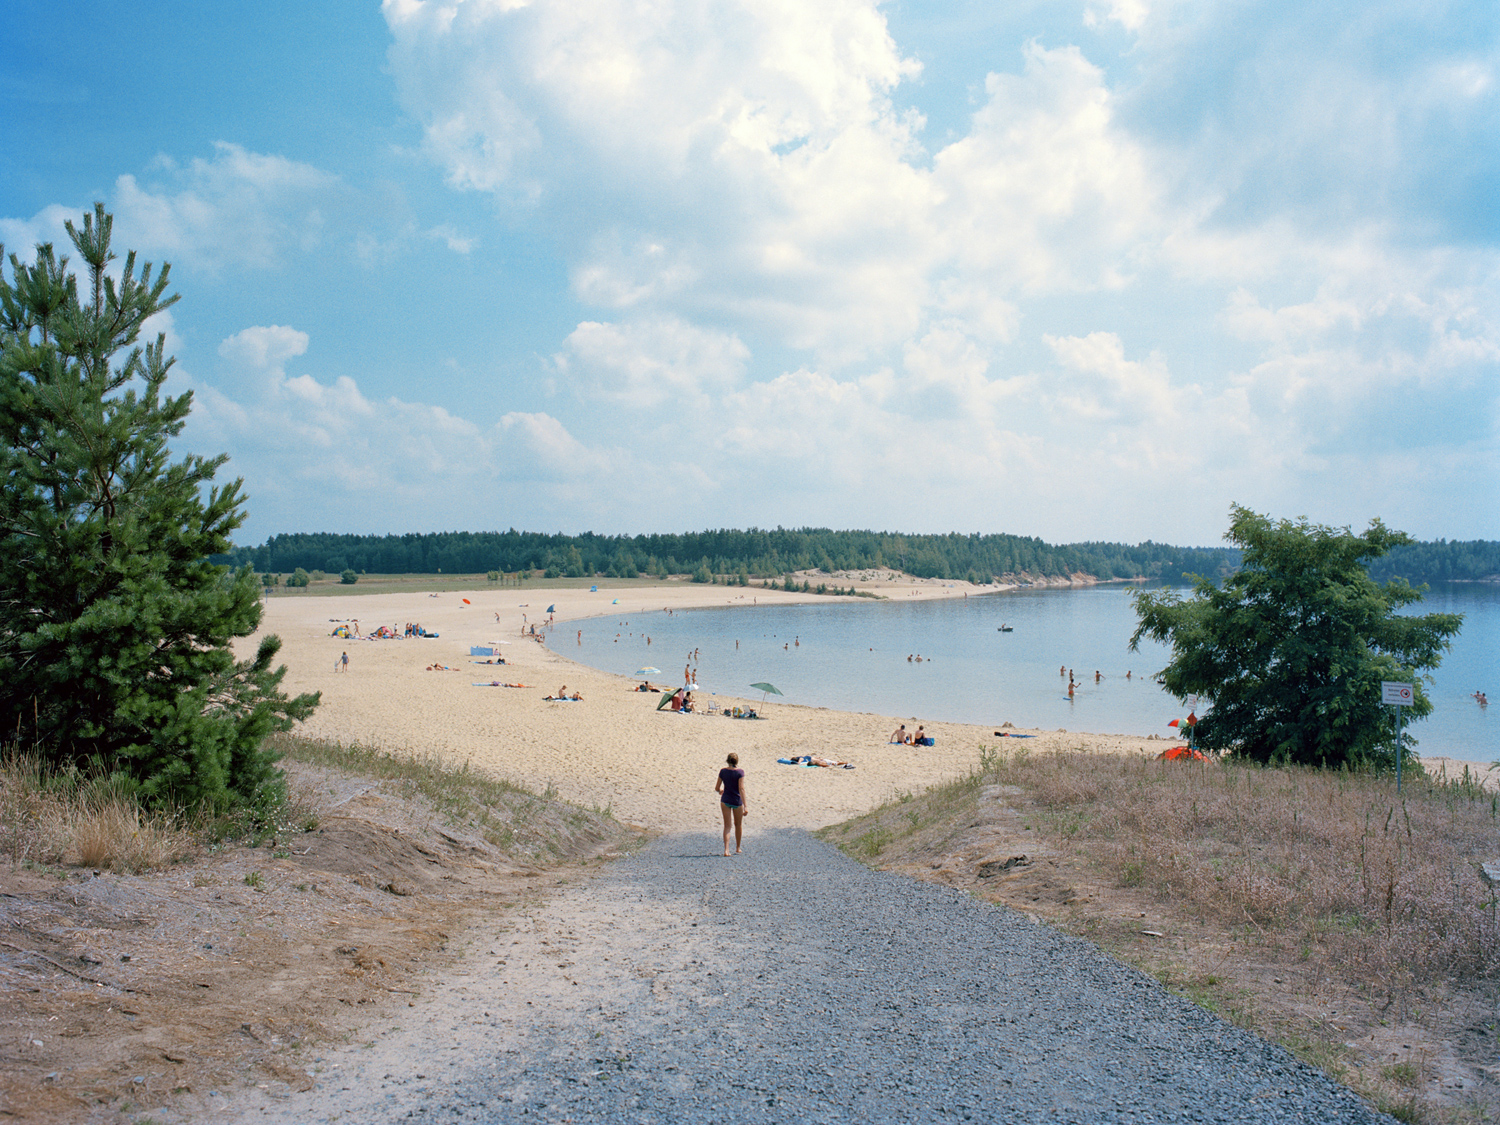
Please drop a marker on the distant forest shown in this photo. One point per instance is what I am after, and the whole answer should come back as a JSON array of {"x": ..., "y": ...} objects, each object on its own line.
[{"x": 768, "y": 554}]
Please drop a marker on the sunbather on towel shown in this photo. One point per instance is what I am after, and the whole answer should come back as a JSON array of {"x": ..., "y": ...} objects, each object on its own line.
[{"x": 815, "y": 760}]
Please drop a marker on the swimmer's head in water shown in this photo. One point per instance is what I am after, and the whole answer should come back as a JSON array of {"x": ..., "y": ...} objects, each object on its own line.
[{"x": 733, "y": 759}]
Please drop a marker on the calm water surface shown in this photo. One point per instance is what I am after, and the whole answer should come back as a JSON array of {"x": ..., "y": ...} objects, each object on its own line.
[{"x": 851, "y": 654}]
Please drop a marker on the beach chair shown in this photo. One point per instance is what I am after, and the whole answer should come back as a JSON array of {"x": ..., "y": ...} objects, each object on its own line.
[{"x": 713, "y": 707}]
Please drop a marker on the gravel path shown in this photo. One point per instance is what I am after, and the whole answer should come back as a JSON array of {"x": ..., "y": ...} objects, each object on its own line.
[{"x": 791, "y": 983}]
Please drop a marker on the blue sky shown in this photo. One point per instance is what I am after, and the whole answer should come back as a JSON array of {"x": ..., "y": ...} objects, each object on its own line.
[{"x": 1078, "y": 270}]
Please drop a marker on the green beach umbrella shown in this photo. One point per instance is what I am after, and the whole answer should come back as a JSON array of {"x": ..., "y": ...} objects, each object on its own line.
[{"x": 765, "y": 690}]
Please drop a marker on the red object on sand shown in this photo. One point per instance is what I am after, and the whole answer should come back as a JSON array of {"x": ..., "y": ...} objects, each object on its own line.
[{"x": 1181, "y": 754}]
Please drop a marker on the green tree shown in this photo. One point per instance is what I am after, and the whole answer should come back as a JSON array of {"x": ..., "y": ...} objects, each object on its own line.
[
  {"x": 114, "y": 626},
  {"x": 299, "y": 578},
  {"x": 348, "y": 578},
  {"x": 1291, "y": 649}
]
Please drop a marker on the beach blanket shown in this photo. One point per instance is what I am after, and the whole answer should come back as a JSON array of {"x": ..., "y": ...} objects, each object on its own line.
[
  {"x": 1007, "y": 734},
  {"x": 497, "y": 683}
]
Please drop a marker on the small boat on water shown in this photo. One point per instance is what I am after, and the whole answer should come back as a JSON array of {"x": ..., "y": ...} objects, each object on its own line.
[{"x": 1004, "y": 629}]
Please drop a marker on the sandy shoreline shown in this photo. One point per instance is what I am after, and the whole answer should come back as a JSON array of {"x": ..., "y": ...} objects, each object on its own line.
[{"x": 613, "y": 748}]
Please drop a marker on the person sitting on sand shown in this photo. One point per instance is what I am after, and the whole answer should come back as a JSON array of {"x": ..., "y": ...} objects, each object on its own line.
[
  {"x": 899, "y": 737},
  {"x": 576, "y": 697},
  {"x": 687, "y": 702}
]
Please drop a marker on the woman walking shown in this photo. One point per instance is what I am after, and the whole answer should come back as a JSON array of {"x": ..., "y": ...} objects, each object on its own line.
[{"x": 731, "y": 790}]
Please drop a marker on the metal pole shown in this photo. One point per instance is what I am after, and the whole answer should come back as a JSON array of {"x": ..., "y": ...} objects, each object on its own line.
[{"x": 1398, "y": 750}]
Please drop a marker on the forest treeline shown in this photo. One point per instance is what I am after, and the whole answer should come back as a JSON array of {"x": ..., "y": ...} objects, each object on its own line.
[
  {"x": 1440, "y": 561},
  {"x": 753, "y": 553},
  {"x": 769, "y": 553}
]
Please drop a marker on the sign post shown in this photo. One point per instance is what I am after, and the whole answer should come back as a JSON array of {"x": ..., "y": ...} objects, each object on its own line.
[{"x": 1397, "y": 695}]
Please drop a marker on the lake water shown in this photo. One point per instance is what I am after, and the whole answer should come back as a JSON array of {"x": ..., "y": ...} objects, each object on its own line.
[{"x": 851, "y": 654}]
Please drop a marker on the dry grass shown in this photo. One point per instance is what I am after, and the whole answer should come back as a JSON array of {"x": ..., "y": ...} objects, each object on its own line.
[
  {"x": 534, "y": 827},
  {"x": 1307, "y": 859},
  {"x": 52, "y": 818},
  {"x": 49, "y": 819}
]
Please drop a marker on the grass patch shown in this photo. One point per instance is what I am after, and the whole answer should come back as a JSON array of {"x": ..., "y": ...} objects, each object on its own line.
[
  {"x": 537, "y": 827},
  {"x": 66, "y": 818},
  {"x": 1331, "y": 864}
]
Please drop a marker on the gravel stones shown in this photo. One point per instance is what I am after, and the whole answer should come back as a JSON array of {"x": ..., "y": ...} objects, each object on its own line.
[{"x": 791, "y": 983}]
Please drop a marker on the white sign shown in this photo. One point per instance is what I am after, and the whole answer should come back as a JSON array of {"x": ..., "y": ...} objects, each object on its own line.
[{"x": 1396, "y": 694}]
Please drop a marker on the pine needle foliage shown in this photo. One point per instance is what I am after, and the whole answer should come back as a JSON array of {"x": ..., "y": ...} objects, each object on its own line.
[
  {"x": 115, "y": 629},
  {"x": 1290, "y": 651}
]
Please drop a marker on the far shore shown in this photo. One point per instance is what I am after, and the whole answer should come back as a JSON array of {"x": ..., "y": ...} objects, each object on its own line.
[{"x": 613, "y": 749}]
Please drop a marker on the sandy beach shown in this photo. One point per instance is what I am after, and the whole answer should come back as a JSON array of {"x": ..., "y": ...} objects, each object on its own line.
[{"x": 613, "y": 749}]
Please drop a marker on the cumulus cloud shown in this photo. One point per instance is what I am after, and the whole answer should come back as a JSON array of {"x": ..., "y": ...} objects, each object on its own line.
[
  {"x": 645, "y": 364},
  {"x": 310, "y": 446},
  {"x": 239, "y": 207},
  {"x": 748, "y": 162},
  {"x": 1212, "y": 265}
]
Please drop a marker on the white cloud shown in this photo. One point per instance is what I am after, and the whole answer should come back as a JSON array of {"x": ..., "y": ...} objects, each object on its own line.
[
  {"x": 238, "y": 208},
  {"x": 649, "y": 363},
  {"x": 1125, "y": 290},
  {"x": 1129, "y": 14},
  {"x": 265, "y": 348},
  {"x": 21, "y": 236}
]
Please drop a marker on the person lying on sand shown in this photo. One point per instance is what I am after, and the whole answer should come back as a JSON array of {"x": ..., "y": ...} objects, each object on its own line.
[
  {"x": 815, "y": 760},
  {"x": 440, "y": 668}
]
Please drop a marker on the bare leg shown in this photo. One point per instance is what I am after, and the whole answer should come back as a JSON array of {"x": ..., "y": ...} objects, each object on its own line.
[
  {"x": 739, "y": 829},
  {"x": 727, "y": 812}
]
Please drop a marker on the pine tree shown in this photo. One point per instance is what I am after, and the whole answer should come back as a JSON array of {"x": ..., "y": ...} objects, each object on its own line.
[{"x": 115, "y": 629}]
